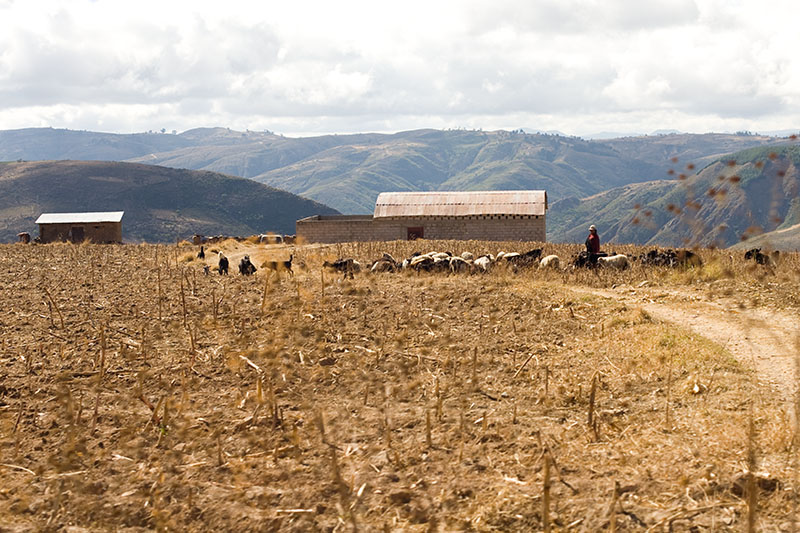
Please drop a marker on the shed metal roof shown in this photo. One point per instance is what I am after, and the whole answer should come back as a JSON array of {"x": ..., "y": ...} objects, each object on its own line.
[
  {"x": 468, "y": 203},
  {"x": 80, "y": 218}
]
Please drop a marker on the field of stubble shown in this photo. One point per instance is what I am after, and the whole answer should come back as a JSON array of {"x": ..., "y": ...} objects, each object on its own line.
[{"x": 137, "y": 394}]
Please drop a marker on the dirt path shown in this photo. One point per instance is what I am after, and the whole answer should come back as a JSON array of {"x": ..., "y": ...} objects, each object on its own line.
[{"x": 763, "y": 338}]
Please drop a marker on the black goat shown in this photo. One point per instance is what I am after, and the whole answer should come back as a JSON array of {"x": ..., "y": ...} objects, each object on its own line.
[
  {"x": 761, "y": 258},
  {"x": 246, "y": 268},
  {"x": 345, "y": 266},
  {"x": 223, "y": 264}
]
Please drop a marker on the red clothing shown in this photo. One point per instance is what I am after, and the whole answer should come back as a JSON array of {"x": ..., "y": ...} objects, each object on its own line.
[{"x": 593, "y": 243}]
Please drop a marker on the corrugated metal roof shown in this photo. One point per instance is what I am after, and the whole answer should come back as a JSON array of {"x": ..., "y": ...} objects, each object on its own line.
[
  {"x": 80, "y": 218},
  {"x": 458, "y": 204}
]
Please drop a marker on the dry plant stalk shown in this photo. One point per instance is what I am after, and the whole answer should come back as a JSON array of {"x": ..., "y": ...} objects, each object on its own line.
[
  {"x": 183, "y": 304},
  {"x": 19, "y": 418},
  {"x": 428, "y": 440},
  {"x": 546, "y": 493},
  {"x": 158, "y": 282},
  {"x": 612, "y": 509},
  {"x": 438, "y": 394},
  {"x": 592, "y": 394},
  {"x": 475, "y": 368},
  {"x": 53, "y": 305},
  {"x": 669, "y": 394},
  {"x": 546, "y": 382},
  {"x": 214, "y": 304},
  {"x": 264, "y": 294}
]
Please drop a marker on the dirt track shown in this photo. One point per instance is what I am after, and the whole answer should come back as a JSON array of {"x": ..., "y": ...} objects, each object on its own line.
[{"x": 765, "y": 339}]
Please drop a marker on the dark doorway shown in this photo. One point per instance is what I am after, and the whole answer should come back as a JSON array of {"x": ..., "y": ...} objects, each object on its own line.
[
  {"x": 415, "y": 233},
  {"x": 76, "y": 234}
]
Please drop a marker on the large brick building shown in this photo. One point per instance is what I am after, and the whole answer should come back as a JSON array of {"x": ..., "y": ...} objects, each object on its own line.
[{"x": 480, "y": 215}]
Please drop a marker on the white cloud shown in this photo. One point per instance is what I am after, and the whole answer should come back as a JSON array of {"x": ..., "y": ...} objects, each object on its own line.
[{"x": 305, "y": 67}]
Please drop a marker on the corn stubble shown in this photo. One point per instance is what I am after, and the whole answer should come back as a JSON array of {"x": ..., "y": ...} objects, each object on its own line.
[{"x": 411, "y": 402}]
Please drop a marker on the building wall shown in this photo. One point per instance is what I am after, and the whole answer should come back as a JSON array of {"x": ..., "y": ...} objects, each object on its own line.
[
  {"x": 98, "y": 232},
  {"x": 331, "y": 229}
]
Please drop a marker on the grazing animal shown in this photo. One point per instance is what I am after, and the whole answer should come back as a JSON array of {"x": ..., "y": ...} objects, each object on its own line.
[
  {"x": 761, "y": 258},
  {"x": 658, "y": 258},
  {"x": 346, "y": 266},
  {"x": 206, "y": 270},
  {"x": 457, "y": 264},
  {"x": 551, "y": 261},
  {"x": 584, "y": 259},
  {"x": 670, "y": 258},
  {"x": 467, "y": 256},
  {"x": 223, "y": 264},
  {"x": 484, "y": 262},
  {"x": 246, "y": 268},
  {"x": 201, "y": 254},
  {"x": 687, "y": 258},
  {"x": 527, "y": 259},
  {"x": 277, "y": 266},
  {"x": 618, "y": 261},
  {"x": 422, "y": 262},
  {"x": 407, "y": 262},
  {"x": 386, "y": 263}
]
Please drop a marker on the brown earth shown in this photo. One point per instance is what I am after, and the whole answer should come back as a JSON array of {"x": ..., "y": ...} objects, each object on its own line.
[{"x": 137, "y": 394}]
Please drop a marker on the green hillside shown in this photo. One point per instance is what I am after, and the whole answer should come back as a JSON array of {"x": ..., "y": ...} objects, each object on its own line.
[
  {"x": 160, "y": 203},
  {"x": 351, "y": 177},
  {"x": 734, "y": 198}
]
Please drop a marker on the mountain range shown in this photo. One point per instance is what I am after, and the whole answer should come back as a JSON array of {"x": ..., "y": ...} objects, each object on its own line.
[{"x": 599, "y": 181}]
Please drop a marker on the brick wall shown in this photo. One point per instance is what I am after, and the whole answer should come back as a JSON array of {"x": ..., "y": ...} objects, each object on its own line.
[
  {"x": 361, "y": 228},
  {"x": 97, "y": 232}
]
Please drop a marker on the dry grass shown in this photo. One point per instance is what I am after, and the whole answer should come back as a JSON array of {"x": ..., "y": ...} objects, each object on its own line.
[{"x": 394, "y": 401}]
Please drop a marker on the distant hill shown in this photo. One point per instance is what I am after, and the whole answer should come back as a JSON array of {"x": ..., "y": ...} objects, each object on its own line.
[
  {"x": 160, "y": 203},
  {"x": 787, "y": 239},
  {"x": 47, "y": 144},
  {"x": 734, "y": 198},
  {"x": 348, "y": 171}
]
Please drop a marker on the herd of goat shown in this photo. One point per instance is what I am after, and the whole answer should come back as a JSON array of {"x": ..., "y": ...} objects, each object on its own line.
[{"x": 468, "y": 263}]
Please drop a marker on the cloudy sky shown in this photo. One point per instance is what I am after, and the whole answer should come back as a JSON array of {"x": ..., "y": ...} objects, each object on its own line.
[{"x": 311, "y": 67}]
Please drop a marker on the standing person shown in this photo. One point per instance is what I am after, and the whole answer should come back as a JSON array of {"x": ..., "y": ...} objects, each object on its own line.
[{"x": 593, "y": 245}]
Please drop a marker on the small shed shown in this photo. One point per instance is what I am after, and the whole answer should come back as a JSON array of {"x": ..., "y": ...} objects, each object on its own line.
[{"x": 102, "y": 227}]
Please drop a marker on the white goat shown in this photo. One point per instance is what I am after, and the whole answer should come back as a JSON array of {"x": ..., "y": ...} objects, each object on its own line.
[
  {"x": 484, "y": 262},
  {"x": 551, "y": 261},
  {"x": 458, "y": 264},
  {"x": 619, "y": 261}
]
